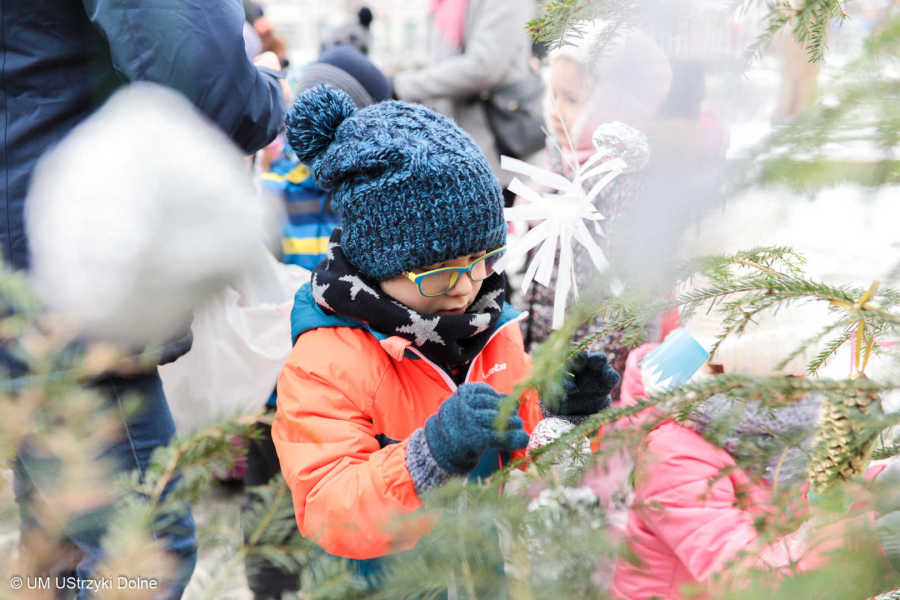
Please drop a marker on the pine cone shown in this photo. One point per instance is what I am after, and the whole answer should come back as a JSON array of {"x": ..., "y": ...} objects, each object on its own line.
[{"x": 843, "y": 445}]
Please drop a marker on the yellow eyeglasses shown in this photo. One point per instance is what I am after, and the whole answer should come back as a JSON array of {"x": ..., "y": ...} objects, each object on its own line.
[{"x": 440, "y": 281}]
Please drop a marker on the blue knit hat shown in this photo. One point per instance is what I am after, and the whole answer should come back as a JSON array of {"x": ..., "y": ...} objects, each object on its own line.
[{"x": 411, "y": 188}]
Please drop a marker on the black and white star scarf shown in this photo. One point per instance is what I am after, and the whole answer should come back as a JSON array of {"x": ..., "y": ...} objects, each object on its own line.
[{"x": 449, "y": 340}]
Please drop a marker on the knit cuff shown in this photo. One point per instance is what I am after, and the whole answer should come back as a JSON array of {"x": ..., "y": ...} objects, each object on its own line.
[
  {"x": 426, "y": 473},
  {"x": 573, "y": 419}
]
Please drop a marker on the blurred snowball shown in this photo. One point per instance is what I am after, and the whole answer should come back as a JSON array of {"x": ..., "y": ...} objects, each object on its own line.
[{"x": 140, "y": 214}]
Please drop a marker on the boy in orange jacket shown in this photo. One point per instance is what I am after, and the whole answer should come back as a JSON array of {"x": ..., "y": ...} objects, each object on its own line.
[{"x": 404, "y": 346}]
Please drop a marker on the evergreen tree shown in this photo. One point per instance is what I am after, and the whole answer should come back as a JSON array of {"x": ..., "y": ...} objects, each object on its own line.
[{"x": 528, "y": 533}]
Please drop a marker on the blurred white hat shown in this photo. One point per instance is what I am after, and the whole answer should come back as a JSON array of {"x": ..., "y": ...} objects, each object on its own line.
[
  {"x": 626, "y": 59},
  {"x": 139, "y": 215}
]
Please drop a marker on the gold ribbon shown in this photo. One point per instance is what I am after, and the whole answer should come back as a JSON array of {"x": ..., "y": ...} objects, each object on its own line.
[{"x": 861, "y": 357}]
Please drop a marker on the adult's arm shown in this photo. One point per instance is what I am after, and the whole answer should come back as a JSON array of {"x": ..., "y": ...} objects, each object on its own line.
[
  {"x": 197, "y": 48},
  {"x": 496, "y": 40}
]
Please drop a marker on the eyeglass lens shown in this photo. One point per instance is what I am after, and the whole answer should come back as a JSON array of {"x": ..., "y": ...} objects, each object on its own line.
[{"x": 442, "y": 282}]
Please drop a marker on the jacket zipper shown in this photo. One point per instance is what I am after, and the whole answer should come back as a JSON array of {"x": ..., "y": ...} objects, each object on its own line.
[
  {"x": 515, "y": 319},
  {"x": 450, "y": 383}
]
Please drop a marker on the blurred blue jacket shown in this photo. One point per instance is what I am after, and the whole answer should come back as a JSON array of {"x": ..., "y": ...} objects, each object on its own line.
[
  {"x": 60, "y": 59},
  {"x": 305, "y": 234}
]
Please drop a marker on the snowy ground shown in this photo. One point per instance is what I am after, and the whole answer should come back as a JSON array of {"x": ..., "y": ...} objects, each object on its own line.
[{"x": 217, "y": 575}]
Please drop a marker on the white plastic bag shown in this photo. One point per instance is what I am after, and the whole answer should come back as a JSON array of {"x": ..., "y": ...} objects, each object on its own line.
[{"x": 242, "y": 337}]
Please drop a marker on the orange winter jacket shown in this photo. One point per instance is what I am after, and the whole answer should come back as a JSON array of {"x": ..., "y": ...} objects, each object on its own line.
[{"x": 348, "y": 400}]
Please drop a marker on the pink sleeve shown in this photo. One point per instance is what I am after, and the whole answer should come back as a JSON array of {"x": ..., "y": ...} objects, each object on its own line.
[
  {"x": 688, "y": 502},
  {"x": 669, "y": 321}
]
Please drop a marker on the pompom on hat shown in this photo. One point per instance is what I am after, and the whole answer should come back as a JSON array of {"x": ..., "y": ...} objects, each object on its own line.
[{"x": 411, "y": 188}]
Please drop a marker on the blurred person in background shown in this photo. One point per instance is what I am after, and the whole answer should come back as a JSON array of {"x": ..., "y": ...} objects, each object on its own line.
[
  {"x": 683, "y": 179},
  {"x": 473, "y": 47},
  {"x": 252, "y": 42},
  {"x": 59, "y": 61},
  {"x": 355, "y": 33},
  {"x": 799, "y": 76},
  {"x": 270, "y": 41},
  {"x": 684, "y": 125},
  {"x": 716, "y": 495},
  {"x": 685, "y": 132},
  {"x": 596, "y": 78},
  {"x": 311, "y": 218},
  {"x": 260, "y": 40},
  {"x": 311, "y": 221}
]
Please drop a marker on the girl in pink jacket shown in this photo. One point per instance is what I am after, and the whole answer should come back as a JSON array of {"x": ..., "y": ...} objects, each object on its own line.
[{"x": 706, "y": 487}]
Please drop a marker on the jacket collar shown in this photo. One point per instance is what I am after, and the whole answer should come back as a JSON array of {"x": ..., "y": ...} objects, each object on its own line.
[{"x": 307, "y": 315}]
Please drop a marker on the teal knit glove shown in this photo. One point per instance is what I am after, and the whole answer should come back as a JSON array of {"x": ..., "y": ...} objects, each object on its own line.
[{"x": 463, "y": 428}]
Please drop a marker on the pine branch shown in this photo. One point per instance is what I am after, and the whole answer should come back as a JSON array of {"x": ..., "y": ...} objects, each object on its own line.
[
  {"x": 627, "y": 314},
  {"x": 829, "y": 350},
  {"x": 885, "y": 452},
  {"x": 791, "y": 288},
  {"x": 780, "y": 14},
  {"x": 777, "y": 261},
  {"x": 812, "y": 25},
  {"x": 862, "y": 104},
  {"x": 740, "y": 314},
  {"x": 802, "y": 347},
  {"x": 775, "y": 281},
  {"x": 281, "y": 492},
  {"x": 808, "y": 23},
  {"x": 774, "y": 391},
  {"x": 565, "y": 17}
]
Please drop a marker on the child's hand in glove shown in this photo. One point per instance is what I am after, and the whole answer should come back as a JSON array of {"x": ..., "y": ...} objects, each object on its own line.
[
  {"x": 587, "y": 388},
  {"x": 463, "y": 428}
]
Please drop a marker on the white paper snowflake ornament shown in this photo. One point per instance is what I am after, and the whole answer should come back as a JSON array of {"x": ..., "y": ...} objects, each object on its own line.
[{"x": 563, "y": 215}]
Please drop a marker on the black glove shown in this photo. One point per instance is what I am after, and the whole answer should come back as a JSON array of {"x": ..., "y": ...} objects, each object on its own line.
[{"x": 587, "y": 387}]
